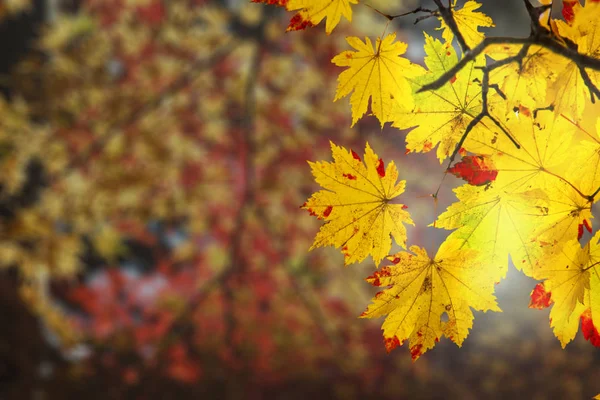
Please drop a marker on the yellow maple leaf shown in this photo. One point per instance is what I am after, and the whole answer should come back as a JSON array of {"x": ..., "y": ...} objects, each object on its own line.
[
  {"x": 529, "y": 197},
  {"x": 497, "y": 223},
  {"x": 572, "y": 276},
  {"x": 423, "y": 291},
  {"x": 524, "y": 84},
  {"x": 357, "y": 205},
  {"x": 568, "y": 213},
  {"x": 545, "y": 148},
  {"x": 378, "y": 74},
  {"x": 468, "y": 21},
  {"x": 442, "y": 116},
  {"x": 545, "y": 153},
  {"x": 314, "y": 11},
  {"x": 570, "y": 92}
]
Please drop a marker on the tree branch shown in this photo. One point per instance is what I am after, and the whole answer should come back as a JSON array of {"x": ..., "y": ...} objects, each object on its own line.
[
  {"x": 582, "y": 60},
  {"x": 446, "y": 14},
  {"x": 485, "y": 112},
  {"x": 415, "y": 11}
]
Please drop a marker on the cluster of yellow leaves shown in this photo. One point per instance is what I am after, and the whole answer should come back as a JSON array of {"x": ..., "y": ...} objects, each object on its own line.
[
  {"x": 536, "y": 208},
  {"x": 571, "y": 274}
]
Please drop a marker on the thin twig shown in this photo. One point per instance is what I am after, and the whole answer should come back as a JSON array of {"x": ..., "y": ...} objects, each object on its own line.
[
  {"x": 446, "y": 14},
  {"x": 392, "y": 17},
  {"x": 593, "y": 195}
]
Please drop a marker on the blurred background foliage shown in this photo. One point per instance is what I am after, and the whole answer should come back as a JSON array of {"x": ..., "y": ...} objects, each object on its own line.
[{"x": 152, "y": 164}]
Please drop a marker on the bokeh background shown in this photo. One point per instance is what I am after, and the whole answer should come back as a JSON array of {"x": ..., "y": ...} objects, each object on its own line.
[{"x": 152, "y": 165}]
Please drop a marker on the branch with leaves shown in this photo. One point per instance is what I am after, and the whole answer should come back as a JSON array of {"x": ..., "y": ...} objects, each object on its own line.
[{"x": 532, "y": 174}]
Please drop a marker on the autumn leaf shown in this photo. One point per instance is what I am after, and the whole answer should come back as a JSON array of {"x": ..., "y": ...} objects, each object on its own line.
[
  {"x": 428, "y": 298},
  {"x": 570, "y": 87},
  {"x": 468, "y": 21},
  {"x": 544, "y": 145},
  {"x": 312, "y": 12},
  {"x": 497, "y": 223},
  {"x": 357, "y": 205},
  {"x": 377, "y": 74},
  {"x": 539, "y": 164},
  {"x": 441, "y": 117},
  {"x": 529, "y": 198},
  {"x": 476, "y": 170},
  {"x": 571, "y": 274},
  {"x": 524, "y": 84}
]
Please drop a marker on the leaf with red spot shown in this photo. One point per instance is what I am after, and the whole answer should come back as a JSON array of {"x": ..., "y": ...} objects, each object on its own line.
[
  {"x": 476, "y": 170},
  {"x": 540, "y": 299},
  {"x": 299, "y": 22},
  {"x": 358, "y": 205},
  {"x": 312, "y": 12},
  {"x": 572, "y": 275},
  {"x": 391, "y": 343},
  {"x": 568, "y": 11},
  {"x": 422, "y": 291}
]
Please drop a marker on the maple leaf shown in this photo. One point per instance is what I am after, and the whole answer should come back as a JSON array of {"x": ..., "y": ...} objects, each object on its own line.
[
  {"x": 571, "y": 274},
  {"x": 527, "y": 199},
  {"x": 526, "y": 83},
  {"x": 357, "y": 205},
  {"x": 378, "y": 74},
  {"x": 570, "y": 87},
  {"x": 442, "y": 116},
  {"x": 497, "y": 223},
  {"x": 545, "y": 152},
  {"x": 314, "y": 11},
  {"x": 422, "y": 290},
  {"x": 468, "y": 21}
]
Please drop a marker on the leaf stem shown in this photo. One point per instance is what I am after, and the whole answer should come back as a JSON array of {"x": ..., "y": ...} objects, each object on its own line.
[{"x": 392, "y": 17}]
